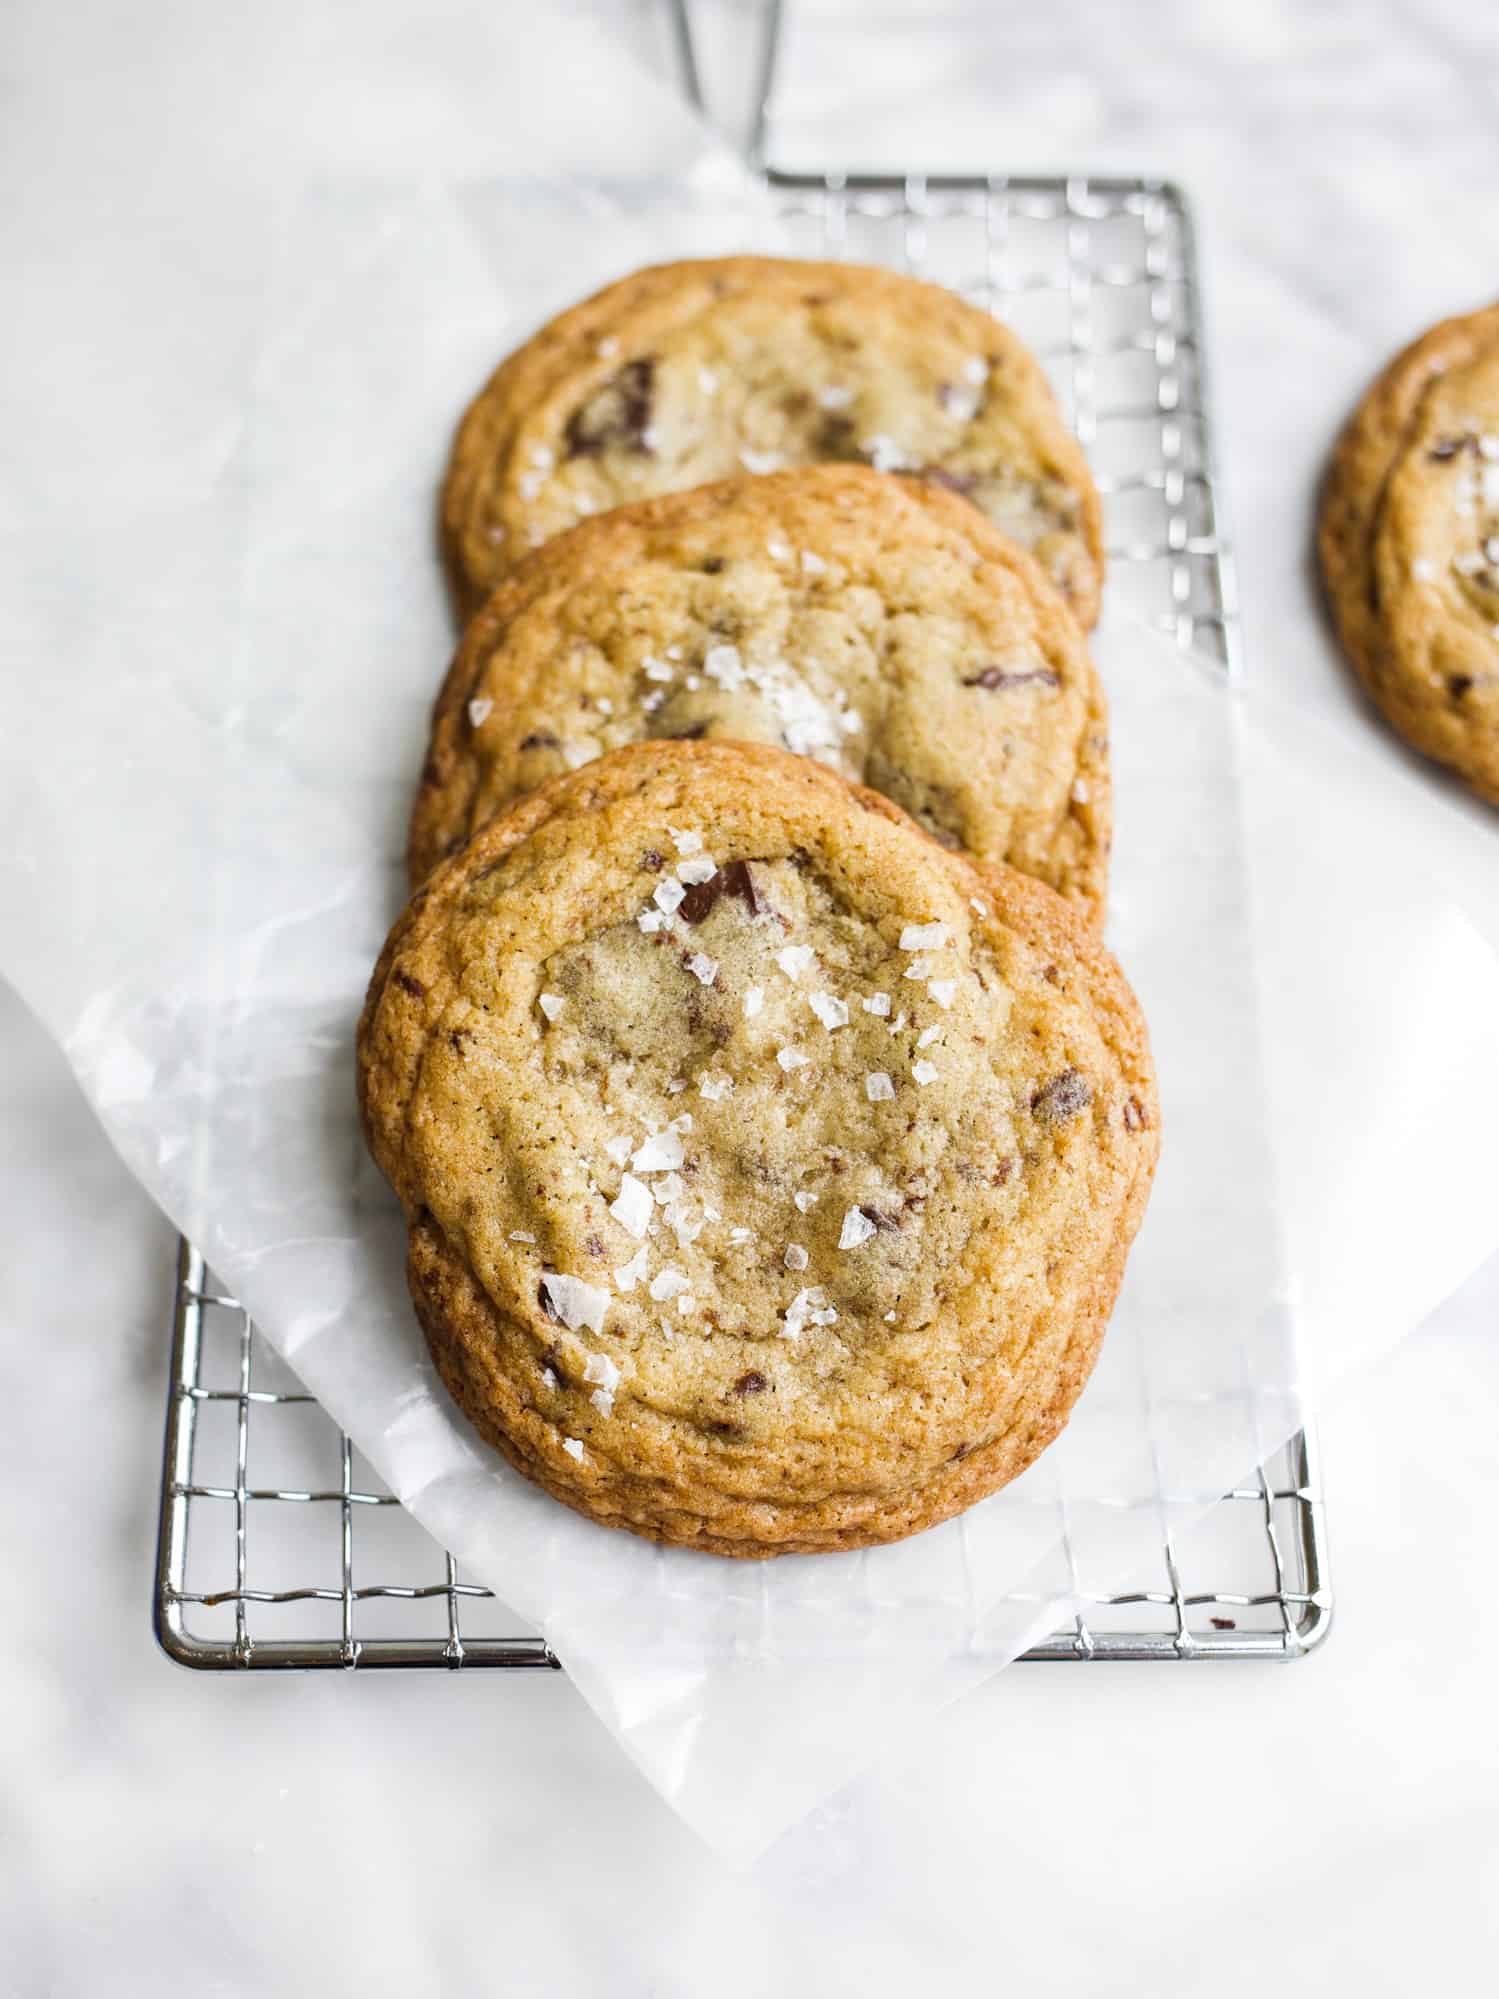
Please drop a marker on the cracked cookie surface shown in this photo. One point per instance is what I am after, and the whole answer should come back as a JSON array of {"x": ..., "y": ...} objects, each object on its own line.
[
  {"x": 769, "y": 1170},
  {"x": 876, "y": 624},
  {"x": 1409, "y": 543},
  {"x": 687, "y": 373}
]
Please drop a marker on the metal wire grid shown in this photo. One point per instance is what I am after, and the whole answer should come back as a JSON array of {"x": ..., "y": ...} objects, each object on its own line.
[{"x": 1100, "y": 277}]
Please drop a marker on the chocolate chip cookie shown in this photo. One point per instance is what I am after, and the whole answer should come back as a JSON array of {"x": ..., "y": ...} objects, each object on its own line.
[
  {"x": 877, "y": 624},
  {"x": 692, "y": 372},
  {"x": 1410, "y": 545},
  {"x": 769, "y": 1169}
]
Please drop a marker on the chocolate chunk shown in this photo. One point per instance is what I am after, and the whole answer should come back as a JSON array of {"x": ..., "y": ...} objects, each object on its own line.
[
  {"x": 700, "y": 898},
  {"x": 409, "y": 985},
  {"x": 1223, "y": 1624},
  {"x": 961, "y": 1452},
  {"x": 1459, "y": 684},
  {"x": 652, "y": 860},
  {"x": 711, "y": 565},
  {"x": 836, "y": 440},
  {"x": 735, "y": 879},
  {"x": 995, "y": 677},
  {"x": 753, "y": 1383},
  {"x": 1134, "y": 1115},
  {"x": 539, "y": 740},
  {"x": 1062, "y": 1098},
  {"x": 694, "y": 734},
  {"x": 617, "y": 413},
  {"x": 552, "y": 1358},
  {"x": 880, "y": 1218},
  {"x": 961, "y": 483},
  {"x": 722, "y": 1429}
]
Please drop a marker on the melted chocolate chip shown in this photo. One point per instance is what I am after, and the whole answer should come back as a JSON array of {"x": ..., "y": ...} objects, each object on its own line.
[
  {"x": 735, "y": 880},
  {"x": 1459, "y": 684},
  {"x": 711, "y": 565},
  {"x": 739, "y": 879},
  {"x": 617, "y": 413},
  {"x": 693, "y": 735},
  {"x": 995, "y": 677},
  {"x": 1223, "y": 1624},
  {"x": 1062, "y": 1098},
  {"x": 961, "y": 483},
  {"x": 961, "y": 1452},
  {"x": 430, "y": 772},
  {"x": 753, "y": 1383},
  {"x": 723, "y": 1429},
  {"x": 836, "y": 440},
  {"x": 552, "y": 1358},
  {"x": 879, "y": 1217},
  {"x": 539, "y": 740},
  {"x": 410, "y": 985}
]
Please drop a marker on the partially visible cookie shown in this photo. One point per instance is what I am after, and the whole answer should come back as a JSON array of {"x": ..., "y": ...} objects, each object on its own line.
[
  {"x": 877, "y": 624},
  {"x": 692, "y": 372},
  {"x": 769, "y": 1169},
  {"x": 1409, "y": 541}
]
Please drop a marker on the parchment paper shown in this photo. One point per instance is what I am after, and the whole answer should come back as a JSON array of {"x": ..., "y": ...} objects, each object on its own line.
[{"x": 203, "y": 817}]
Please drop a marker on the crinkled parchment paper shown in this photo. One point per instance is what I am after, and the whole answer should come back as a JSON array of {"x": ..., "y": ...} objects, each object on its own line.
[{"x": 205, "y": 773}]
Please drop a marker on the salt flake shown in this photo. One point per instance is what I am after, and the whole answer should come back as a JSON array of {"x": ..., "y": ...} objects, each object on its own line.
[
  {"x": 551, "y": 1004},
  {"x": 924, "y": 936},
  {"x": 479, "y": 711},
  {"x": 633, "y": 1207},
  {"x": 574, "y": 1302},
  {"x": 857, "y": 1228},
  {"x": 878, "y": 1087},
  {"x": 661, "y": 1153},
  {"x": 632, "y": 1273}
]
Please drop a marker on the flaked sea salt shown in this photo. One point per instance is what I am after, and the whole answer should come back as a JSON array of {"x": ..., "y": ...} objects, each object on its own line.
[
  {"x": 573, "y": 1302},
  {"x": 633, "y": 1207},
  {"x": 857, "y": 1228},
  {"x": 924, "y": 936}
]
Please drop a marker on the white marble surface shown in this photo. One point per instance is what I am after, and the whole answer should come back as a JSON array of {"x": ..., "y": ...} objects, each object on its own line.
[{"x": 1061, "y": 1832}]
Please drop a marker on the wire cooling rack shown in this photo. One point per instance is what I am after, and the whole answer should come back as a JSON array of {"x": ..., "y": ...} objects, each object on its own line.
[{"x": 279, "y": 1546}]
